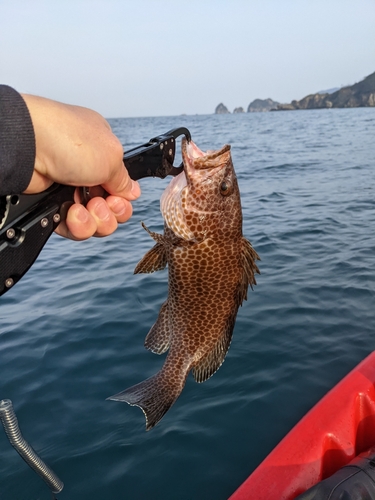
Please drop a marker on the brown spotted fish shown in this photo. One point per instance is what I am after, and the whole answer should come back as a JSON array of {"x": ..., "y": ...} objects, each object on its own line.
[{"x": 210, "y": 266}]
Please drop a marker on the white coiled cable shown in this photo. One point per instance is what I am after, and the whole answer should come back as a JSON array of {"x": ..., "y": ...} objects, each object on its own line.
[{"x": 10, "y": 423}]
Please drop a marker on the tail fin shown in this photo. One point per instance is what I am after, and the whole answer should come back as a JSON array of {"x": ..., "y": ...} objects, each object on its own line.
[{"x": 154, "y": 396}]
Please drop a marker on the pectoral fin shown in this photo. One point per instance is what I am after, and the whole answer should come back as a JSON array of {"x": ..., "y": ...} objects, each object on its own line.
[{"x": 154, "y": 260}]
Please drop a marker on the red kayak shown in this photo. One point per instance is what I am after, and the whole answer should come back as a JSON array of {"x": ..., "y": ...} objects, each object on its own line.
[{"x": 335, "y": 431}]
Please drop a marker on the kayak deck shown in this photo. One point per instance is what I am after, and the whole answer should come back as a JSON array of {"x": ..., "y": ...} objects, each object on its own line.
[{"x": 339, "y": 427}]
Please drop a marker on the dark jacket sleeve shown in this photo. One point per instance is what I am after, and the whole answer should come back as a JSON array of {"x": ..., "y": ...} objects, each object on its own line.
[{"x": 17, "y": 142}]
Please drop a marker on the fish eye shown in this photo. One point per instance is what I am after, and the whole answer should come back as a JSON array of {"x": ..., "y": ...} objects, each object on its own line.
[{"x": 225, "y": 188}]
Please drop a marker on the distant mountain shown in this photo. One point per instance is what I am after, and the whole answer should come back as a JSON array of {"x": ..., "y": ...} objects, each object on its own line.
[
  {"x": 259, "y": 105},
  {"x": 238, "y": 110},
  {"x": 361, "y": 94},
  {"x": 221, "y": 109},
  {"x": 329, "y": 91}
]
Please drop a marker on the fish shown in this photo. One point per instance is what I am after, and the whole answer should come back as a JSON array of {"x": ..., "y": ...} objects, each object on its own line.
[{"x": 210, "y": 267}]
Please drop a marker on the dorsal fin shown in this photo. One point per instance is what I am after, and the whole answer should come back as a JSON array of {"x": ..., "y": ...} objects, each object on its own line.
[
  {"x": 249, "y": 268},
  {"x": 208, "y": 365}
]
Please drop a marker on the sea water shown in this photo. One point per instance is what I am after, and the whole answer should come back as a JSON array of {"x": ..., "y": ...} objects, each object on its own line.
[{"x": 72, "y": 330}]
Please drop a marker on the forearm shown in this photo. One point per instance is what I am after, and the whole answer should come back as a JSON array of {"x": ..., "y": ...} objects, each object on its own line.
[{"x": 17, "y": 142}]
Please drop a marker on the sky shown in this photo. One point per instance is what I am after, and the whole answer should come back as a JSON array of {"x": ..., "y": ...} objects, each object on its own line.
[{"x": 128, "y": 58}]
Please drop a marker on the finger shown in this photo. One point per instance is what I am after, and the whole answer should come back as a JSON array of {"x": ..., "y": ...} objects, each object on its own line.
[
  {"x": 106, "y": 222},
  {"x": 120, "y": 184},
  {"x": 122, "y": 209},
  {"x": 99, "y": 219},
  {"x": 79, "y": 224}
]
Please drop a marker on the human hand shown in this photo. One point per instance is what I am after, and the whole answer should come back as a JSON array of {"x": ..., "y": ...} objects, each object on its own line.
[{"x": 75, "y": 146}]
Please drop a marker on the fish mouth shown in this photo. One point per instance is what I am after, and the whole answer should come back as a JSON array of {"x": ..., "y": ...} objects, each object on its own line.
[
  {"x": 195, "y": 159},
  {"x": 199, "y": 168}
]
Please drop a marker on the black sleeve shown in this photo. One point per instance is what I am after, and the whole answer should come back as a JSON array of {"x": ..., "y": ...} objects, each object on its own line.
[{"x": 17, "y": 142}]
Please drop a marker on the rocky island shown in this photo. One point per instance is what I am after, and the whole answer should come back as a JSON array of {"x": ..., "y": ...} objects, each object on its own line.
[
  {"x": 262, "y": 105},
  {"x": 255, "y": 106},
  {"x": 361, "y": 94},
  {"x": 221, "y": 109}
]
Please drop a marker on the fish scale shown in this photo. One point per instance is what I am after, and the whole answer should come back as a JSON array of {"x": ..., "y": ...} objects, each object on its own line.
[{"x": 211, "y": 265}]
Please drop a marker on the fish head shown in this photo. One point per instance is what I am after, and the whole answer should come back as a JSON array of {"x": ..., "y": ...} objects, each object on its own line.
[{"x": 204, "y": 199}]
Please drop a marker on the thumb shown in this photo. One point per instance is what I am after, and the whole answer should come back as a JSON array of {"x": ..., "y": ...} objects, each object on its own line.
[{"x": 120, "y": 184}]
